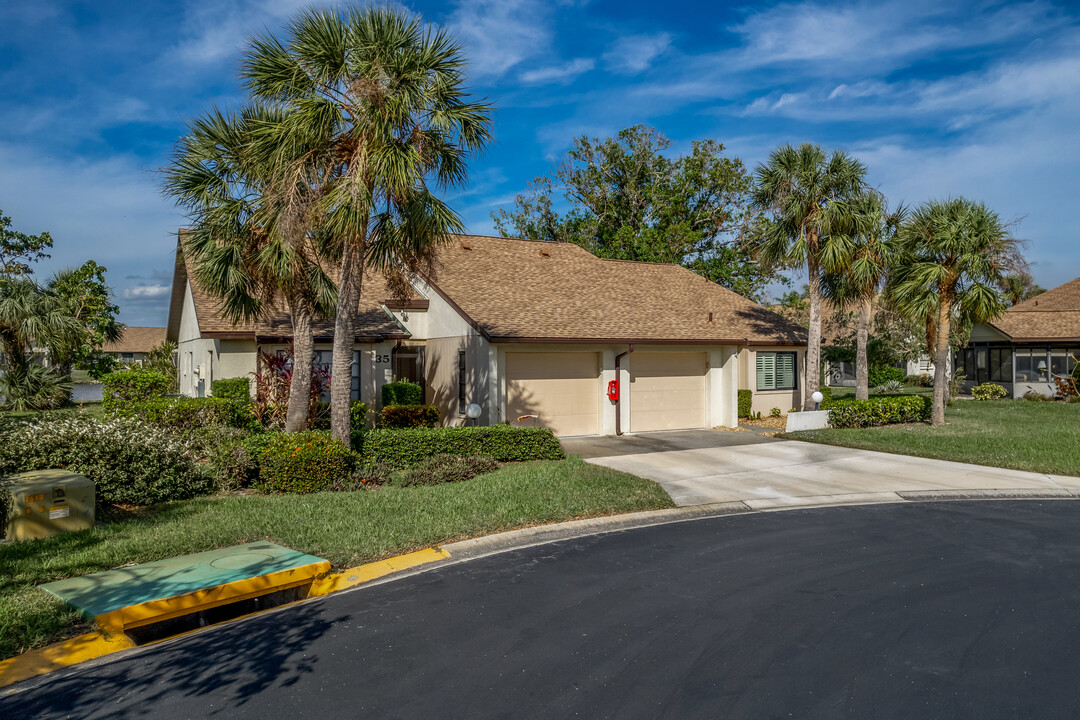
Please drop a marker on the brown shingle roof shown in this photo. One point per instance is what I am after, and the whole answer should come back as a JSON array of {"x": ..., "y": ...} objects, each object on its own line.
[
  {"x": 136, "y": 340},
  {"x": 1054, "y": 315},
  {"x": 524, "y": 290},
  {"x": 372, "y": 322}
]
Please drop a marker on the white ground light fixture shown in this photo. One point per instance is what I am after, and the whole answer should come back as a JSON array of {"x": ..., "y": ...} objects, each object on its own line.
[
  {"x": 473, "y": 411},
  {"x": 817, "y": 398}
]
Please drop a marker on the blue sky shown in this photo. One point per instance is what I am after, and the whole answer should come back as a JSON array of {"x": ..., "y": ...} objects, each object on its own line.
[{"x": 938, "y": 98}]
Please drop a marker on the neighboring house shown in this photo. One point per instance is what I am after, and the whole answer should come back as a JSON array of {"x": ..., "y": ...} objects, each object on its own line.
[
  {"x": 535, "y": 333},
  {"x": 134, "y": 343},
  {"x": 1028, "y": 346}
]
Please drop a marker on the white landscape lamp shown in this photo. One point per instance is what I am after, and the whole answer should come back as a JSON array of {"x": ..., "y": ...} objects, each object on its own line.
[
  {"x": 817, "y": 397},
  {"x": 472, "y": 412}
]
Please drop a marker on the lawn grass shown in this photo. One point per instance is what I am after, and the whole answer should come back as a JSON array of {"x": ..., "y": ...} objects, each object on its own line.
[
  {"x": 348, "y": 528},
  {"x": 1017, "y": 434}
]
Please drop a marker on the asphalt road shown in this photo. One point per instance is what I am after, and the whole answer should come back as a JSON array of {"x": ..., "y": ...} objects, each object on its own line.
[{"x": 949, "y": 610}]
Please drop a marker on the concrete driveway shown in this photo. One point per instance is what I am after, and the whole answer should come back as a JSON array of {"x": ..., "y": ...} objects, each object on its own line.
[{"x": 698, "y": 467}]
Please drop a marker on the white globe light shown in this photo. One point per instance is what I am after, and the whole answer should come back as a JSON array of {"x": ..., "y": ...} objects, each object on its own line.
[
  {"x": 472, "y": 411},
  {"x": 817, "y": 397}
]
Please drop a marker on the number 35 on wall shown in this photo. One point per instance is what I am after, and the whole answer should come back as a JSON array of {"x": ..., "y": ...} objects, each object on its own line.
[{"x": 382, "y": 359}]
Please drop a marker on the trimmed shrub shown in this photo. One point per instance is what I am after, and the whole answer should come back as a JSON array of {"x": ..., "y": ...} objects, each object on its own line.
[
  {"x": 775, "y": 412},
  {"x": 446, "y": 469},
  {"x": 184, "y": 413},
  {"x": 881, "y": 374},
  {"x": 826, "y": 398},
  {"x": 746, "y": 401},
  {"x": 988, "y": 391},
  {"x": 402, "y": 392},
  {"x": 880, "y": 411},
  {"x": 409, "y": 416},
  {"x": 128, "y": 386},
  {"x": 130, "y": 462},
  {"x": 238, "y": 389},
  {"x": 302, "y": 462},
  {"x": 400, "y": 448}
]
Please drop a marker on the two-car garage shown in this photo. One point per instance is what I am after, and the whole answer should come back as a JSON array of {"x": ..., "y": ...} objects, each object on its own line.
[{"x": 565, "y": 391}]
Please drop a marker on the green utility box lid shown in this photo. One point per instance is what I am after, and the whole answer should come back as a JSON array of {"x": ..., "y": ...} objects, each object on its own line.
[{"x": 167, "y": 587}]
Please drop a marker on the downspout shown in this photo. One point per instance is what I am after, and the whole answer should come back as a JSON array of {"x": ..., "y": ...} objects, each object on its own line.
[{"x": 618, "y": 380}]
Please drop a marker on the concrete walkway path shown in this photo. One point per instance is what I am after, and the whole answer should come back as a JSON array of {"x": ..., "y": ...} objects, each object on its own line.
[{"x": 698, "y": 467}]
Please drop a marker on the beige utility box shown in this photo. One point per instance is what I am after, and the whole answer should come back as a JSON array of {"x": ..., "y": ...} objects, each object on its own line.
[{"x": 47, "y": 502}]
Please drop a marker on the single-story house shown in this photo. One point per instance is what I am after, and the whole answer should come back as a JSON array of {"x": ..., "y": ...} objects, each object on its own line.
[
  {"x": 536, "y": 333},
  {"x": 1024, "y": 349},
  {"x": 134, "y": 343}
]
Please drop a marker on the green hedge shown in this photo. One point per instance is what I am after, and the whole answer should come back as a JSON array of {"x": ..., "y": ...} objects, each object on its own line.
[
  {"x": 881, "y": 374},
  {"x": 402, "y": 392},
  {"x": 300, "y": 462},
  {"x": 128, "y": 386},
  {"x": 184, "y": 413},
  {"x": 232, "y": 389},
  {"x": 826, "y": 398},
  {"x": 746, "y": 402},
  {"x": 880, "y": 411},
  {"x": 446, "y": 469},
  {"x": 401, "y": 448},
  {"x": 409, "y": 416}
]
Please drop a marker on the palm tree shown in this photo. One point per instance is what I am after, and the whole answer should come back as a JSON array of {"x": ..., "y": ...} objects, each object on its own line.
[
  {"x": 1020, "y": 286},
  {"x": 380, "y": 100},
  {"x": 803, "y": 191},
  {"x": 30, "y": 321},
  {"x": 856, "y": 284},
  {"x": 252, "y": 241},
  {"x": 952, "y": 257}
]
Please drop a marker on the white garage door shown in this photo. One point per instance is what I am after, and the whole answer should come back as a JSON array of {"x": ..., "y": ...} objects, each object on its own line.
[
  {"x": 667, "y": 391},
  {"x": 562, "y": 388}
]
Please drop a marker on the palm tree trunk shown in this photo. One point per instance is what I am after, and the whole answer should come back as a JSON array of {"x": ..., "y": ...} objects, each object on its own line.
[
  {"x": 813, "y": 346},
  {"x": 296, "y": 417},
  {"x": 941, "y": 361},
  {"x": 862, "y": 335},
  {"x": 344, "y": 340}
]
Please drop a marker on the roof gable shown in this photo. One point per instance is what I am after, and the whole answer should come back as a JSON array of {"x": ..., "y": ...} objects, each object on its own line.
[
  {"x": 1052, "y": 316},
  {"x": 372, "y": 322},
  {"x": 525, "y": 290}
]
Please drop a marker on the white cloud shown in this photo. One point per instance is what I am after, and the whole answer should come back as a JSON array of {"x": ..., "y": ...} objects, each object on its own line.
[
  {"x": 563, "y": 74},
  {"x": 634, "y": 53},
  {"x": 147, "y": 291},
  {"x": 499, "y": 34},
  {"x": 881, "y": 34},
  {"x": 214, "y": 31}
]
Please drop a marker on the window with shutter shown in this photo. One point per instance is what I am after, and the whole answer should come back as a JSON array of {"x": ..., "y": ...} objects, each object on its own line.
[
  {"x": 766, "y": 371},
  {"x": 776, "y": 371}
]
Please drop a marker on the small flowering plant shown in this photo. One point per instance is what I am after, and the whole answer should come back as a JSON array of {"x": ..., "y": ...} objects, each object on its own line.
[{"x": 302, "y": 462}]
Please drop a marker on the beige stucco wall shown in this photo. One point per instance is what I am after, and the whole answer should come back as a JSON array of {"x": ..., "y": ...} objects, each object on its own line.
[
  {"x": 441, "y": 375},
  {"x": 765, "y": 400}
]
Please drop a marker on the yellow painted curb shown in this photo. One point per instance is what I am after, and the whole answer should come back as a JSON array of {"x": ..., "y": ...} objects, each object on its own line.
[
  {"x": 365, "y": 573},
  {"x": 98, "y": 644},
  {"x": 60, "y": 655}
]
